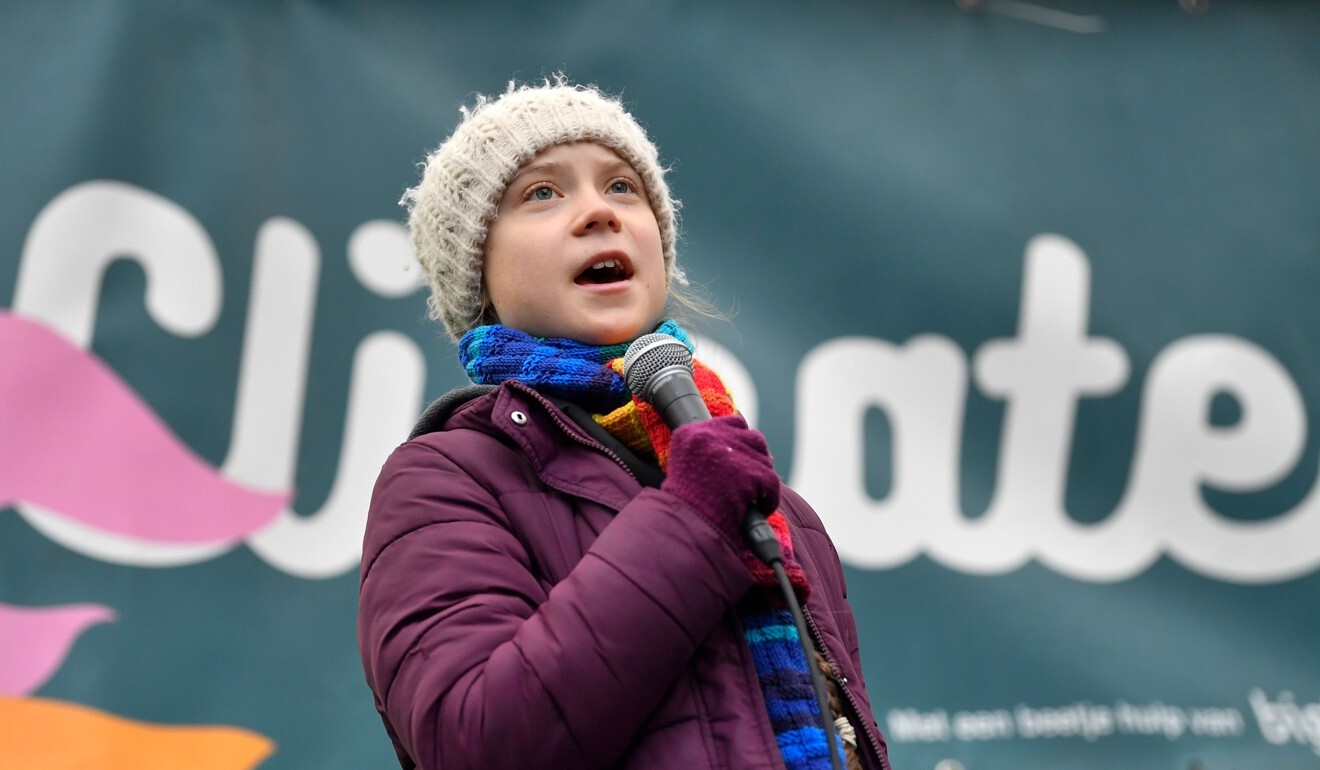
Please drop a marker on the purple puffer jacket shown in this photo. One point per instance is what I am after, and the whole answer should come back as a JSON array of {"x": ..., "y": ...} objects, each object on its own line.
[{"x": 526, "y": 603}]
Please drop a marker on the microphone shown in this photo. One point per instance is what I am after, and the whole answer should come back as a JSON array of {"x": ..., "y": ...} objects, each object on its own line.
[{"x": 658, "y": 370}]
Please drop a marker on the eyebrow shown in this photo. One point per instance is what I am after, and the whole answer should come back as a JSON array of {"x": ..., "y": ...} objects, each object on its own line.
[
  {"x": 541, "y": 167},
  {"x": 554, "y": 167}
]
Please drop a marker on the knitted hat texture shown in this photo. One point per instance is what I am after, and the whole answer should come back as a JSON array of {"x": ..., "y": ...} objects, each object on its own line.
[{"x": 464, "y": 179}]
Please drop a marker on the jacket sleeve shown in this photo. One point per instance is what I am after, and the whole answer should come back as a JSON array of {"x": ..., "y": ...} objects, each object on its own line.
[{"x": 475, "y": 665}]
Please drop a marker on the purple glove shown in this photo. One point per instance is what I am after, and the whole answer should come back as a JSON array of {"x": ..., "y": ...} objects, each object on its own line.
[{"x": 722, "y": 468}]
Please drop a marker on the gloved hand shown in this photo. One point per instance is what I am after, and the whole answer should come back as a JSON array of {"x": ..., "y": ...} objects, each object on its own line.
[{"x": 722, "y": 468}]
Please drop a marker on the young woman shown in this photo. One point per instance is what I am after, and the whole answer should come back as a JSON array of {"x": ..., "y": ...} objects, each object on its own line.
[{"x": 551, "y": 578}]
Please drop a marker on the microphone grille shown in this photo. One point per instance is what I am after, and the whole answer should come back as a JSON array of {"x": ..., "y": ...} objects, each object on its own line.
[{"x": 647, "y": 355}]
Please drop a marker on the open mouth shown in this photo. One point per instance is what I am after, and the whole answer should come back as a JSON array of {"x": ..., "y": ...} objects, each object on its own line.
[{"x": 603, "y": 272}]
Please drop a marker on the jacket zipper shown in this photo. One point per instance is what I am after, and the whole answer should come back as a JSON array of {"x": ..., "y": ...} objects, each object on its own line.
[
  {"x": 867, "y": 728},
  {"x": 573, "y": 434}
]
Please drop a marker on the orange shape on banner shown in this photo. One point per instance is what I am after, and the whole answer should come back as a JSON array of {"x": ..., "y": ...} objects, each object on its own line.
[{"x": 42, "y": 734}]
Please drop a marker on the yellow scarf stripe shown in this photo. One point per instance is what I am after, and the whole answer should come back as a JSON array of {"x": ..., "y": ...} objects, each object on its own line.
[
  {"x": 640, "y": 429},
  {"x": 625, "y": 424}
]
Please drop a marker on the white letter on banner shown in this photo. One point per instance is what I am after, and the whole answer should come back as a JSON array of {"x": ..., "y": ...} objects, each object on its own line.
[
  {"x": 272, "y": 382},
  {"x": 922, "y": 388},
  {"x": 88, "y": 226},
  {"x": 1041, "y": 374},
  {"x": 1179, "y": 450},
  {"x": 384, "y": 396},
  {"x": 71, "y": 243}
]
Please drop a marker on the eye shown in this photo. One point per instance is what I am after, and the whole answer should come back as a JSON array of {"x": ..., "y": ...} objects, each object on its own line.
[
  {"x": 622, "y": 186},
  {"x": 542, "y": 193}
]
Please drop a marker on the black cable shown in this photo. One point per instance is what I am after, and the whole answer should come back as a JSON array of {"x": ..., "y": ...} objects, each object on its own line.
[
  {"x": 760, "y": 537},
  {"x": 817, "y": 682}
]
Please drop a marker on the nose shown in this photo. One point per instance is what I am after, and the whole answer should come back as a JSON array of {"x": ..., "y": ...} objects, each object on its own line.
[{"x": 596, "y": 215}]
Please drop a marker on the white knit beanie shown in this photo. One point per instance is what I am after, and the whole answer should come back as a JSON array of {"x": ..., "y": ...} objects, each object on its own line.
[{"x": 465, "y": 178}]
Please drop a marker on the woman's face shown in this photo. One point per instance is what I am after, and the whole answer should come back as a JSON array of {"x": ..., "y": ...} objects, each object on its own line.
[{"x": 574, "y": 250}]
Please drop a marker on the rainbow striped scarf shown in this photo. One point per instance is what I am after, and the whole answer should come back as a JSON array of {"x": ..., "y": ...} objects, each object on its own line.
[{"x": 593, "y": 376}]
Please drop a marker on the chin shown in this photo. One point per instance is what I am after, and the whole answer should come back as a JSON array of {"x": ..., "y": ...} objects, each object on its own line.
[
  {"x": 614, "y": 329},
  {"x": 611, "y": 336},
  {"x": 608, "y": 339}
]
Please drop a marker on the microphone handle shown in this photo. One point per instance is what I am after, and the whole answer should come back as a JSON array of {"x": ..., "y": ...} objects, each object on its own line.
[
  {"x": 675, "y": 397},
  {"x": 760, "y": 537}
]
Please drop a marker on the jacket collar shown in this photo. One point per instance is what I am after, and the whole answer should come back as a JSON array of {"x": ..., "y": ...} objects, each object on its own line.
[
  {"x": 580, "y": 465},
  {"x": 433, "y": 419},
  {"x": 564, "y": 455}
]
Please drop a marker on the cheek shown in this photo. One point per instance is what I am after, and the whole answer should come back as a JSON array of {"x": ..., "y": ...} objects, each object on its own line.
[
  {"x": 492, "y": 280},
  {"x": 499, "y": 282},
  {"x": 504, "y": 265},
  {"x": 648, "y": 240},
  {"x": 658, "y": 287}
]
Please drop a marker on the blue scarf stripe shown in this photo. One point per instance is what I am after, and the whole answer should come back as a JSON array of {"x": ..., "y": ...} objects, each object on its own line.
[
  {"x": 772, "y": 633},
  {"x": 562, "y": 367},
  {"x": 780, "y": 657},
  {"x": 806, "y": 748},
  {"x": 805, "y": 745},
  {"x": 773, "y": 619},
  {"x": 794, "y": 715},
  {"x": 779, "y": 644},
  {"x": 790, "y": 710},
  {"x": 790, "y": 697}
]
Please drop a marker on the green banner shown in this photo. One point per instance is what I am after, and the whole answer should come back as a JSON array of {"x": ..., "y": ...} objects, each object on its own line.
[{"x": 1022, "y": 297}]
